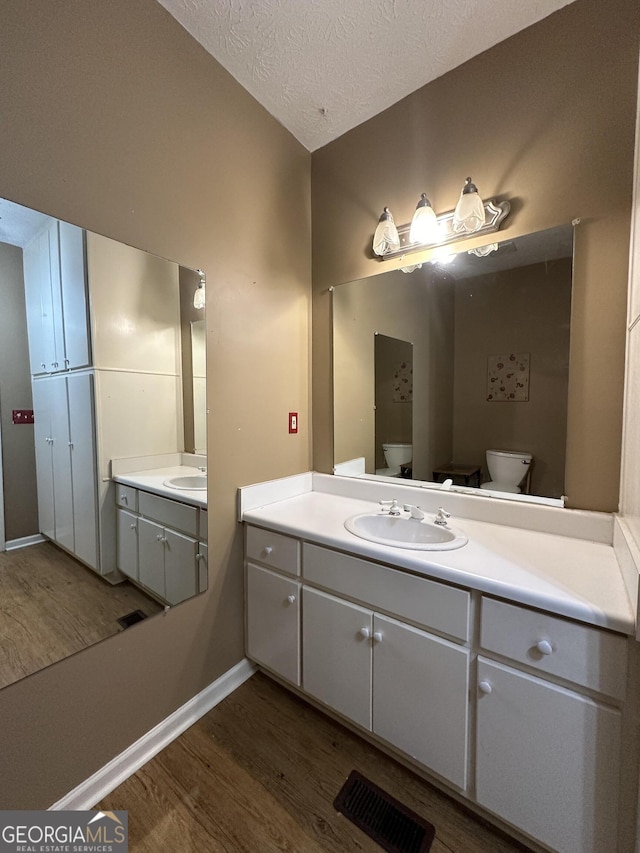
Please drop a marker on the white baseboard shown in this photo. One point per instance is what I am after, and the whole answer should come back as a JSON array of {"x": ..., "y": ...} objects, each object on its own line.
[
  {"x": 107, "y": 779},
  {"x": 24, "y": 542}
]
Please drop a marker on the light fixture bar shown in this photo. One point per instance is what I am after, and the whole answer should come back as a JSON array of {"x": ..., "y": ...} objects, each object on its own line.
[{"x": 495, "y": 213}]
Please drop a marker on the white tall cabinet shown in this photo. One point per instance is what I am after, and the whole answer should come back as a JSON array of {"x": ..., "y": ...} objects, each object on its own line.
[{"x": 103, "y": 321}]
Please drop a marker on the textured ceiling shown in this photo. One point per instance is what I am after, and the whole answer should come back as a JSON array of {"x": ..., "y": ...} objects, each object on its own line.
[{"x": 322, "y": 67}]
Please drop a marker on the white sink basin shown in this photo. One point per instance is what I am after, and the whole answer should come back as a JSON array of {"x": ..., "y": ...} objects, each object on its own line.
[
  {"x": 403, "y": 532},
  {"x": 198, "y": 482}
]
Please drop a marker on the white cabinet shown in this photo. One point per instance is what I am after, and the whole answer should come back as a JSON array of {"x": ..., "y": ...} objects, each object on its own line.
[
  {"x": 540, "y": 743},
  {"x": 337, "y": 654},
  {"x": 421, "y": 697},
  {"x": 56, "y": 300},
  {"x": 407, "y": 686},
  {"x": 157, "y": 545},
  {"x": 273, "y": 622},
  {"x": 65, "y": 463},
  {"x": 547, "y": 760}
]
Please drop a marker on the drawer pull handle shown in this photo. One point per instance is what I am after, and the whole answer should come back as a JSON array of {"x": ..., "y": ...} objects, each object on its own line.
[
  {"x": 377, "y": 636},
  {"x": 268, "y": 550},
  {"x": 544, "y": 647},
  {"x": 365, "y": 633},
  {"x": 291, "y": 598},
  {"x": 485, "y": 687}
]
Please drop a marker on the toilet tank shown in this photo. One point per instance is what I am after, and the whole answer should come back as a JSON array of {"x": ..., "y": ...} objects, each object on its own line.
[{"x": 508, "y": 466}]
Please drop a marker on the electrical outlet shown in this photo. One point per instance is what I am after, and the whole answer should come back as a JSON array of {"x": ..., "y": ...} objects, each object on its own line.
[{"x": 293, "y": 422}]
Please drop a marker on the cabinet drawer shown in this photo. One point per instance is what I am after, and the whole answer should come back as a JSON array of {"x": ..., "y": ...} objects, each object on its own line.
[
  {"x": 177, "y": 515},
  {"x": 434, "y": 605},
  {"x": 127, "y": 497},
  {"x": 273, "y": 549},
  {"x": 584, "y": 655}
]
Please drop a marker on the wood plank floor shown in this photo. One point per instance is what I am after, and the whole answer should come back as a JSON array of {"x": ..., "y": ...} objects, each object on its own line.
[
  {"x": 52, "y": 606},
  {"x": 259, "y": 773}
]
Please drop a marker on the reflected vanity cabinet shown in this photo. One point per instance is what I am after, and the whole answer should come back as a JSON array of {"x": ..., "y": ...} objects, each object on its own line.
[
  {"x": 521, "y": 712},
  {"x": 161, "y": 544}
]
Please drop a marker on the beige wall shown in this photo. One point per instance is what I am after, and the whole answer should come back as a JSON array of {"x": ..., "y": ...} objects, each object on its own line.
[
  {"x": 393, "y": 410},
  {"x": 115, "y": 119},
  {"x": 523, "y": 310},
  {"x": 18, "y": 454},
  {"x": 545, "y": 119}
]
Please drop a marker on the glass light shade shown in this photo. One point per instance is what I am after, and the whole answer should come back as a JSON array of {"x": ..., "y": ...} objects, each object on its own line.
[
  {"x": 386, "y": 238},
  {"x": 424, "y": 225},
  {"x": 469, "y": 215},
  {"x": 199, "y": 297}
]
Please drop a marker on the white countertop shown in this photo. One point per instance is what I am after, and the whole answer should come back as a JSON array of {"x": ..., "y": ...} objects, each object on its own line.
[
  {"x": 568, "y": 576},
  {"x": 153, "y": 481}
]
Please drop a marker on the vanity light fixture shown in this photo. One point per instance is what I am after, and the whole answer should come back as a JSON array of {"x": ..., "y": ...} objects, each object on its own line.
[
  {"x": 386, "y": 238},
  {"x": 199, "y": 297},
  {"x": 468, "y": 217},
  {"x": 471, "y": 217}
]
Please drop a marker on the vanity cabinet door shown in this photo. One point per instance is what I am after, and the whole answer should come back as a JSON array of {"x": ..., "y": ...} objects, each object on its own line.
[
  {"x": 83, "y": 467},
  {"x": 421, "y": 697},
  {"x": 42, "y": 284},
  {"x": 151, "y": 555},
  {"x": 547, "y": 759},
  {"x": 180, "y": 566},
  {"x": 336, "y": 665},
  {"x": 203, "y": 566},
  {"x": 61, "y": 454},
  {"x": 273, "y": 622},
  {"x": 43, "y": 402},
  {"x": 127, "y": 547}
]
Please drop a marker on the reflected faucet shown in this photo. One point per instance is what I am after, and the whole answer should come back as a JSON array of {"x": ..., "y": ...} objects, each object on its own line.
[{"x": 447, "y": 484}]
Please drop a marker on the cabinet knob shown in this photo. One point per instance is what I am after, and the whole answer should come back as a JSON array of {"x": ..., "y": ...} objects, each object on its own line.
[
  {"x": 485, "y": 687},
  {"x": 132, "y": 526},
  {"x": 377, "y": 636},
  {"x": 198, "y": 556},
  {"x": 268, "y": 550},
  {"x": 291, "y": 599},
  {"x": 54, "y": 364},
  {"x": 365, "y": 633},
  {"x": 544, "y": 647},
  {"x": 70, "y": 443},
  {"x": 123, "y": 498},
  {"x": 43, "y": 364}
]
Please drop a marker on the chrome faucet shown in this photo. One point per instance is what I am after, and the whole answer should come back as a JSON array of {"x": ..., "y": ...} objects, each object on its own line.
[
  {"x": 441, "y": 517},
  {"x": 202, "y": 468},
  {"x": 394, "y": 509},
  {"x": 415, "y": 511}
]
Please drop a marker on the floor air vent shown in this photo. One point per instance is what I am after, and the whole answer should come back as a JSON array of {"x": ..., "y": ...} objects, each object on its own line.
[
  {"x": 131, "y": 618},
  {"x": 392, "y": 825}
]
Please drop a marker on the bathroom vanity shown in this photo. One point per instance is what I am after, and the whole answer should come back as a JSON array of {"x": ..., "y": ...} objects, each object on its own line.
[
  {"x": 499, "y": 670},
  {"x": 162, "y": 529}
]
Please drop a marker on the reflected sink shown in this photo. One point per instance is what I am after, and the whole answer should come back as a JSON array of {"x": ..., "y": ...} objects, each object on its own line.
[
  {"x": 404, "y": 532},
  {"x": 197, "y": 482}
]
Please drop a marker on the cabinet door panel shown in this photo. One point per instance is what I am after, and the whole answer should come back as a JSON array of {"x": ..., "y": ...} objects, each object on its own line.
[
  {"x": 62, "y": 485},
  {"x": 37, "y": 285},
  {"x": 273, "y": 622},
  {"x": 57, "y": 314},
  {"x": 151, "y": 555},
  {"x": 42, "y": 404},
  {"x": 421, "y": 697},
  {"x": 127, "y": 548},
  {"x": 180, "y": 567},
  {"x": 83, "y": 467},
  {"x": 336, "y": 665},
  {"x": 547, "y": 760},
  {"x": 203, "y": 567},
  {"x": 74, "y": 295}
]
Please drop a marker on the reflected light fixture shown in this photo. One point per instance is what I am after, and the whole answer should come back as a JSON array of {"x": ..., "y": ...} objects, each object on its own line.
[
  {"x": 424, "y": 225},
  {"x": 484, "y": 251},
  {"x": 468, "y": 217},
  {"x": 386, "y": 238},
  {"x": 199, "y": 297}
]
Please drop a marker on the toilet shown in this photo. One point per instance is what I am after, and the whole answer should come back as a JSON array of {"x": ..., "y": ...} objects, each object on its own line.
[
  {"x": 396, "y": 455},
  {"x": 507, "y": 469}
]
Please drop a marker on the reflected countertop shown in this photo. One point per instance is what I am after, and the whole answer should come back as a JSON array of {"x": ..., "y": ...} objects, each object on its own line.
[{"x": 154, "y": 481}]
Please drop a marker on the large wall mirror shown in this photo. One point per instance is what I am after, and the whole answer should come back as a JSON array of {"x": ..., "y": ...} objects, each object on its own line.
[
  {"x": 436, "y": 366},
  {"x": 102, "y": 416}
]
